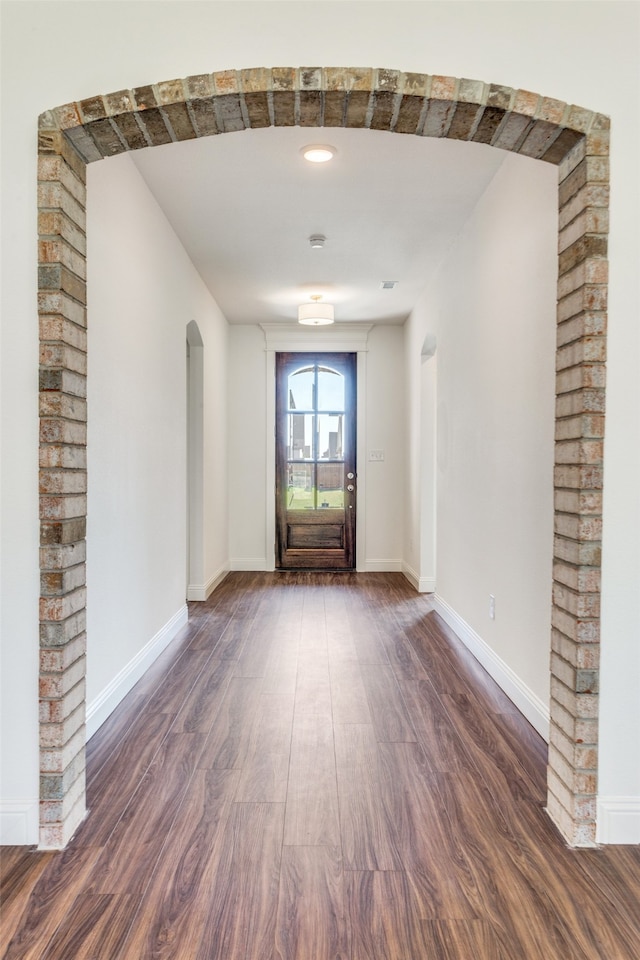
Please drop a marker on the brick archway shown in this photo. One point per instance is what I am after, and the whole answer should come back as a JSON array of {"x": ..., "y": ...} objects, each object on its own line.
[{"x": 574, "y": 139}]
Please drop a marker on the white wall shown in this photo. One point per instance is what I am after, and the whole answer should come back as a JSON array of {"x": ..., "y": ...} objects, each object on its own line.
[
  {"x": 54, "y": 52},
  {"x": 385, "y": 431},
  {"x": 142, "y": 295},
  {"x": 491, "y": 307},
  {"x": 247, "y": 461}
]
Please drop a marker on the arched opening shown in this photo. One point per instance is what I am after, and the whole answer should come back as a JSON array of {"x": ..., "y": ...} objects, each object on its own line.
[{"x": 574, "y": 139}]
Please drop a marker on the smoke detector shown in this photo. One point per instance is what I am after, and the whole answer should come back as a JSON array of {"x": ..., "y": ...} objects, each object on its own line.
[{"x": 317, "y": 241}]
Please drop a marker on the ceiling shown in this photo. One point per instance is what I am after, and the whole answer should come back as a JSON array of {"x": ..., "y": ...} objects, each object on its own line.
[{"x": 245, "y": 204}]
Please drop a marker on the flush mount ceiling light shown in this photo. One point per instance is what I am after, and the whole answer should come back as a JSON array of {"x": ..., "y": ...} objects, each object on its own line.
[
  {"x": 318, "y": 152},
  {"x": 315, "y": 314}
]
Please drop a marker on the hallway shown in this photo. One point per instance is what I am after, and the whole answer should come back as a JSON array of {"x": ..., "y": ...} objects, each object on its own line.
[{"x": 317, "y": 769}]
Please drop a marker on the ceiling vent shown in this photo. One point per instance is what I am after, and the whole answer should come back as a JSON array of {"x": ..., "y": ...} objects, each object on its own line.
[{"x": 388, "y": 284}]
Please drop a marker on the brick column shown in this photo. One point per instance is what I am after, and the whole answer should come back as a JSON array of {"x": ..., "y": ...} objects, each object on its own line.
[
  {"x": 520, "y": 121},
  {"x": 580, "y": 386},
  {"x": 63, "y": 484}
]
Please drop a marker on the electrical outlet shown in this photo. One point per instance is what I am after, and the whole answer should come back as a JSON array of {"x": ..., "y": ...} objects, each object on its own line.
[{"x": 492, "y": 606}]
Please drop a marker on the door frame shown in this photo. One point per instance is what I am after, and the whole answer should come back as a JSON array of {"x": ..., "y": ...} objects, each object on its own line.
[
  {"x": 343, "y": 338},
  {"x": 319, "y": 520}
]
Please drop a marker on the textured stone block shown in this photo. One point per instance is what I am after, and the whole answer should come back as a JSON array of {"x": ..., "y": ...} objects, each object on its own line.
[
  {"x": 131, "y": 130},
  {"x": 584, "y": 248},
  {"x": 540, "y": 137},
  {"x": 53, "y": 195},
  {"x": 54, "y": 223},
  {"x": 587, "y": 426},
  {"x": 64, "y": 531},
  {"x": 203, "y": 113},
  {"x": 357, "y": 108},
  {"x": 63, "y": 431},
  {"x": 57, "y": 251},
  {"x": 107, "y": 137},
  {"x": 178, "y": 121},
  {"x": 67, "y": 456},
  {"x": 561, "y": 147},
  {"x": 229, "y": 116},
  {"x": 590, "y": 195},
  {"x": 582, "y": 579},
  {"x": 257, "y": 105},
  {"x": 63, "y": 481},
  {"x": 576, "y": 378},
  {"x": 583, "y": 607},
  {"x": 503, "y": 130},
  {"x": 582, "y": 554},
  {"x": 310, "y": 108},
  {"x": 61, "y": 556},
  {"x": 586, "y": 350},
  {"x": 473, "y": 91},
  {"x": 410, "y": 117},
  {"x": 384, "y": 105},
  {"x": 56, "y": 736},
  {"x": 55, "y": 711},
  {"x": 51, "y": 169},
  {"x": 53, "y": 686},
  {"x": 63, "y": 507},
  {"x": 438, "y": 118},
  {"x": 60, "y": 380},
  {"x": 54, "y": 812},
  {"x": 58, "y": 582},
  {"x": 284, "y": 109},
  {"x": 57, "y": 632},
  {"x": 465, "y": 120}
]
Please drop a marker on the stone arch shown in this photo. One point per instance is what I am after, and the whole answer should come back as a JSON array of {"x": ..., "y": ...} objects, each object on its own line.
[{"x": 571, "y": 137}]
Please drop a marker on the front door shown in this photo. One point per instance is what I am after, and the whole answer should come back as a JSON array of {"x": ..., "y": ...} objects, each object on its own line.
[{"x": 316, "y": 461}]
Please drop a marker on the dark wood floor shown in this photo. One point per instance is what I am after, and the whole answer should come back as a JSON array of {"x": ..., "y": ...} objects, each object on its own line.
[{"x": 318, "y": 769}]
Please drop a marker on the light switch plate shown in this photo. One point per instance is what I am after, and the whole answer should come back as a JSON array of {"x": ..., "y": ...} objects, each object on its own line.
[{"x": 376, "y": 455}]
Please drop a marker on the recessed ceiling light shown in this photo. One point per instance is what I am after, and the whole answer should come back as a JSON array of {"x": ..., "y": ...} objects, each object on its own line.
[{"x": 318, "y": 153}]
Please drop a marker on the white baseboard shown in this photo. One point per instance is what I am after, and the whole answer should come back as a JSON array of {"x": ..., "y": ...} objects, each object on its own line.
[
  {"x": 421, "y": 584},
  {"x": 106, "y": 702},
  {"x": 250, "y": 564},
  {"x": 533, "y": 708},
  {"x": 618, "y": 820},
  {"x": 202, "y": 591},
  {"x": 382, "y": 566},
  {"x": 19, "y": 822}
]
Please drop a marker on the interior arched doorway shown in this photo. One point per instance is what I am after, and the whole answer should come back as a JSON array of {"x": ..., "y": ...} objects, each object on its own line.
[{"x": 574, "y": 139}]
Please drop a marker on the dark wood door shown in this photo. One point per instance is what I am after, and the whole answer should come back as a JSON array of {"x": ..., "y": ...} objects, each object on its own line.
[{"x": 316, "y": 461}]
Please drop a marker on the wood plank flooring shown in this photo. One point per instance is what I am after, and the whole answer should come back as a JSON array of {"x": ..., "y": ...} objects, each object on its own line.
[{"x": 318, "y": 770}]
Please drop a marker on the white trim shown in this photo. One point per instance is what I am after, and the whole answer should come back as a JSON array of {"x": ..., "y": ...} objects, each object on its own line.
[
  {"x": 202, "y": 591},
  {"x": 533, "y": 708},
  {"x": 106, "y": 701},
  {"x": 421, "y": 584},
  {"x": 19, "y": 822},
  {"x": 249, "y": 563},
  {"x": 361, "y": 459},
  {"x": 618, "y": 820},
  {"x": 382, "y": 566},
  {"x": 292, "y": 338}
]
